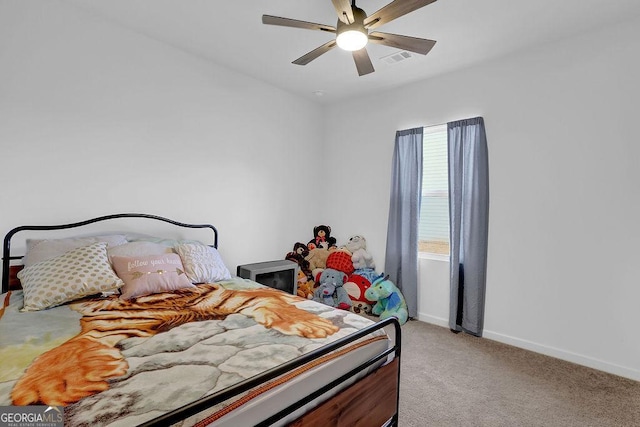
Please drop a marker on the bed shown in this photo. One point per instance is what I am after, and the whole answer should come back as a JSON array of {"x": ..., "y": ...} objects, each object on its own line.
[{"x": 135, "y": 329}]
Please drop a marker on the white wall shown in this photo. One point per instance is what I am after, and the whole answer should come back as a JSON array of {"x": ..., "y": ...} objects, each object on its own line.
[
  {"x": 95, "y": 119},
  {"x": 564, "y": 203},
  {"x": 433, "y": 292}
]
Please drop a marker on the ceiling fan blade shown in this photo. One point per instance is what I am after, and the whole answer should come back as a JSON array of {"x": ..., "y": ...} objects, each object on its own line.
[
  {"x": 363, "y": 62},
  {"x": 344, "y": 11},
  {"x": 286, "y": 22},
  {"x": 393, "y": 10},
  {"x": 413, "y": 44},
  {"x": 305, "y": 59}
]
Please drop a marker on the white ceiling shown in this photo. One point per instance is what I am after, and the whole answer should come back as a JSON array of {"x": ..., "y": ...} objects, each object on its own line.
[{"x": 230, "y": 33}]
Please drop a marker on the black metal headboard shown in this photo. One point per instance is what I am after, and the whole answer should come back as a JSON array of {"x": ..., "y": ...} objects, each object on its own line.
[{"x": 6, "y": 248}]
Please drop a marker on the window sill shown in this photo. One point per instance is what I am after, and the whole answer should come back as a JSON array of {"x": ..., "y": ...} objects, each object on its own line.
[{"x": 433, "y": 257}]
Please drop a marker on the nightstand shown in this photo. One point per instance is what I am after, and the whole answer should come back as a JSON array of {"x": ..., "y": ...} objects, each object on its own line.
[{"x": 281, "y": 274}]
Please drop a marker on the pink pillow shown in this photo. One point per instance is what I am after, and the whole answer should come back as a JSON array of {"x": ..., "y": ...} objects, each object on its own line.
[{"x": 152, "y": 274}]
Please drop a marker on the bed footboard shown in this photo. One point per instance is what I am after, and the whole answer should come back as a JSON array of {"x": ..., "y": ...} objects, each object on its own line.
[
  {"x": 365, "y": 403},
  {"x": 377, "y": 394}
]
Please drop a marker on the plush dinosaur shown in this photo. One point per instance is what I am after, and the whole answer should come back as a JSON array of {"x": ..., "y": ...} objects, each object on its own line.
[{"x": 389, "y": 300}]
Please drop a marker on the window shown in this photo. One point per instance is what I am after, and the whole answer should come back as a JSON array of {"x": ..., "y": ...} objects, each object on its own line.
[{"x": 434, "y": 210}]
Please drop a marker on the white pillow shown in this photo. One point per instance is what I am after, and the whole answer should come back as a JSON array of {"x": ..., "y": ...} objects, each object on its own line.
[
  {"x": 78, "y": 273},
  {"x": 202, "y": 263},
  {"x": 39, "y": 250}
]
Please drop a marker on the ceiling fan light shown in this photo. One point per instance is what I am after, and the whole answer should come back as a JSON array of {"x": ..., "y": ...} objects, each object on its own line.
[{"x": 352, "y": 39}]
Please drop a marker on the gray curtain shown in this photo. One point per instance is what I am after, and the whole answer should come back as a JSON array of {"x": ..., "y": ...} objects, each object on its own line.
[
  {"x": 469, "y": 220},
  {"x": 401, "y": 260}
]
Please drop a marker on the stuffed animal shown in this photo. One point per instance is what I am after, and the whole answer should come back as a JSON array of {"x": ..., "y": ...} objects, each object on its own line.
[
  {"x": 305, "y": 286},
  {"x": 322, "y": 238},
  {"x": 368, "y": 273},
  {"x": 300, "y": 249},
  {"x": 389, "y": 300},
  {"x": 331, "y": 285},
  {"x": 317, "y": 258},
  {"x": 324, "y": 294},
  {"x": 357, "y": 245},
  {"x": 340, "y": 260},
  {"x": 356, "y": 287},
  {"x": 298, "y": 255}
]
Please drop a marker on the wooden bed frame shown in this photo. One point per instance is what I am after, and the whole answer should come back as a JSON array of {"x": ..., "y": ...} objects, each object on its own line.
[{"x": 371, "y": 401}]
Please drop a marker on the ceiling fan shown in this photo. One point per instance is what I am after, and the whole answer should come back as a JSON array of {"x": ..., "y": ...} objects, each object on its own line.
[{"x": 352, "y": 31}]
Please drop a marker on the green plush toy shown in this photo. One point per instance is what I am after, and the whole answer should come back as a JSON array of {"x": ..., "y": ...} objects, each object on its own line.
[{"x": 389, "y": 300}]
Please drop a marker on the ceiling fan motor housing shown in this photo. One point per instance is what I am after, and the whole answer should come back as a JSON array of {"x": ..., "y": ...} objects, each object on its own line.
[
  {"x": 359, "y": 16},
  {"x": 357, "y": 26}
]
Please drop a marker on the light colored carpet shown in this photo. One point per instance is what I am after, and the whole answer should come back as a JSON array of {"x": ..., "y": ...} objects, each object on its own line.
[{"x": 459, "y": 380}]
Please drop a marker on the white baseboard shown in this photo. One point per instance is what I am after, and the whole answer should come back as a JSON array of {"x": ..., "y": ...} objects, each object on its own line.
[
  {"x": 433, "y": 320},
  {"x": 579, "y": 359}
]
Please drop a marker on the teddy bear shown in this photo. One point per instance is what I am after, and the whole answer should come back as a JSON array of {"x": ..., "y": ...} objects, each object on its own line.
[
  {"x": 298, "y": 255},
  {"x": 322, "y": 238},
  {"x": 357, "y": 245},
  {"x": 330, "y": 290},
  {"x": 389, "y": 300},
  {"x": 317, "y": 258}
]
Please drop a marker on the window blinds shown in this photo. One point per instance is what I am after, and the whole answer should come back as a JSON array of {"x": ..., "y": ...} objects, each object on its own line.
[{"x": 434, "y": 210}]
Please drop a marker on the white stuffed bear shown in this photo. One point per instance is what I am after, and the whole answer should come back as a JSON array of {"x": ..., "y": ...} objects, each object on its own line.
[{"x": 357, "y": 245}]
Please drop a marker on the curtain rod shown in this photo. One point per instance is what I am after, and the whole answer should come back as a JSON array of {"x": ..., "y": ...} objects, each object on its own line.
[{"x": 457, "y": 120}]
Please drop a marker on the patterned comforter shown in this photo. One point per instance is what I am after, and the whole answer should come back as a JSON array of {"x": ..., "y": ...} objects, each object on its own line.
[{"x": 114, "y": 363}]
